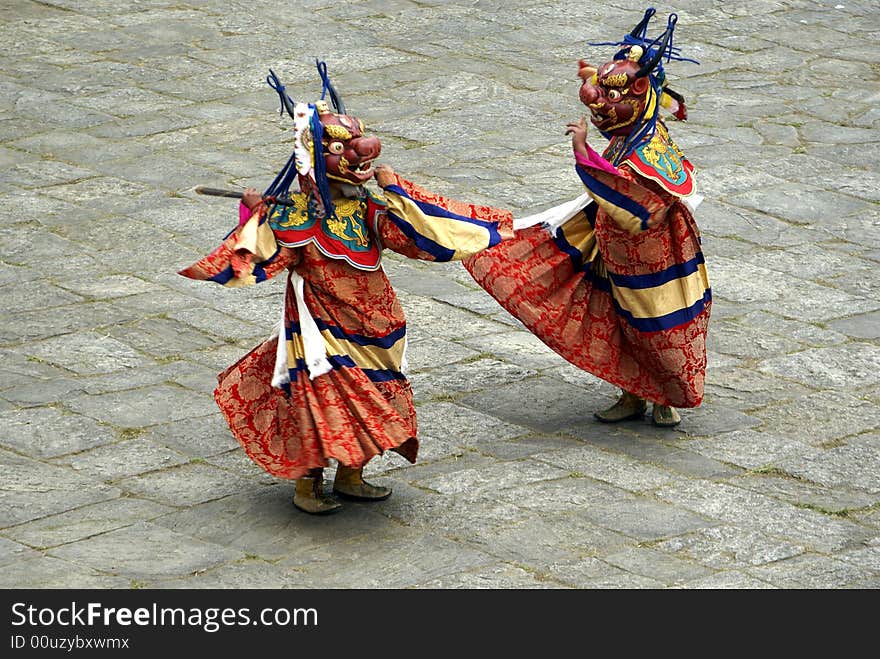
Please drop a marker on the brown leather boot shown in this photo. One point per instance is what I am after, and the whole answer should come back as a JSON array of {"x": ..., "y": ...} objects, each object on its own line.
[
  {"x": 309, "y": 496},
  {"x": 628, "y": 406},
  {"x": 665, "y": 416},
  {"x": 350, "y": 483}
]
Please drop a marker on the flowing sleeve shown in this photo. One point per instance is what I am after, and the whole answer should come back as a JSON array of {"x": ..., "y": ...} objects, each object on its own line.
[
  {"x": 427, "y": 226},
  {"x": 633, "y": 205},
  {"x": 248, "y": 255}
]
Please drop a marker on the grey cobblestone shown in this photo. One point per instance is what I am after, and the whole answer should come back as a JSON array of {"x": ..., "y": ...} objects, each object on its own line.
[
  {"x": 418, "y": 557},
  {"x": 85, "y": 522},
  {"x": 150, "y": 551},
  {"x": 738, "y": 506},
  {"x": 45, "y": 432},
  {"x": 670, "y": 570},
  {"x": 747, "y": 389},
  {"x": 187, "y": 484},
  {"x": 137, "y": 408},
  {"x": 117, "y": 470},
  {"x": 844, "y": 501},
  {"x": 541, "y": 542},
  {"x": 618, "y": 470},
  {"x": 49, "y": 572},
  {"x": 821, "y": 417},
  {"x": 733, "y": 579},
  {"x": 12, "y": 553},
  {"x": 808, "y": 571},
  {"x": 34, "y": 489},
  {"x": 725, "y": 547},
  {"x": 597, "y": 574},
  {"x": 500, "y": 576},
  {"x": 129, "y": 457}
]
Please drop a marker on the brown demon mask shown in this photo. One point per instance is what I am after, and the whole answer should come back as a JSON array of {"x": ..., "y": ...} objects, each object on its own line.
[
  {"x": 348, "y": 153},
  {"x": 616, "y": 94}
]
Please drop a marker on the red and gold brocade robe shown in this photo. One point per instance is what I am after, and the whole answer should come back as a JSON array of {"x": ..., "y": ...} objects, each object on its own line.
[
  {"x": 616, "y": 282},
  {"x": 334, "y": 386}
]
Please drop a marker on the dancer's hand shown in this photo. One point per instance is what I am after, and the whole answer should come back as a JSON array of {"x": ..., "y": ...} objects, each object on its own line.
[
  {"x": 251, "y": 198},
  {"x": 385, "y": 175},
  {"x": 578, "y": 132}
]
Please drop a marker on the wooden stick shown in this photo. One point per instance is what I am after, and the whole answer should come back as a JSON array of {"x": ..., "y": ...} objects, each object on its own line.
[
  {"x": 218, "y": 192},
  {"x": 234, "y": 194}
]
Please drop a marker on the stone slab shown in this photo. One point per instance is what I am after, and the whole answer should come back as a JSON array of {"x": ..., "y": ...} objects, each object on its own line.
[
  {"x": 197, "y": 437},
  {"x": 247, "y": 573},
  {"x": 771, "y": 482},
  {"x": 612, "y": 468},
  {"x": 463, "y": 426},
  {"x": 50, "y": 572},
  {"x": 47, "y": 432},
  {"x": 498, "y": 476},
  {"x": 726, "y": 547},
  {"x": 128, "y": 457},
  {"x": 809, "y": 571},
  {"x": 186, "y": 484},
  {"x": 493, "y": 577},
  {"x": 749, "y": 449},
  {"x": 845, "y": 501},
  {"x": 735, "y": 506},
  {"x": 263, "y": 522},
  {"x": 146, "y": 406},
  {"x": 668, "y": 569},
  {"x": 13, "y": 553},
  {"x": 33, "y": 489},
  {"x": 848, "y": 367},
  {"x": 851, "y": 466},
  {"x": 87, "y": 353},
  {"x": 661, "y": 449},
  {"x": 418, "y": 557},
  {"x": 860, "y": 326},
  {"x": 552, "y": 404},
  {"x": 746, "y": 389},
  {"x": 542, "y": 542},
  {"x": 145, "y": 550},
  {"x": 462, "y": 378},
  {"x": 85, "y": 522},
  {"x": 592, "y": 573},
  {"x": 729, "y": 580},
  {"x": 820, "y": 418}
]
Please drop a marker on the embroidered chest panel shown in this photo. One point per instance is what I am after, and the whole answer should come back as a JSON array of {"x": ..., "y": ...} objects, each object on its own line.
[
  {"x": 661, "y": 160},
  {"x": 348, "y": 236}
]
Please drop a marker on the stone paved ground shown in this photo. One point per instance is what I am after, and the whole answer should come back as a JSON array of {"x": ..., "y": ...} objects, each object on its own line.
[{"x": 117, "y": 469}]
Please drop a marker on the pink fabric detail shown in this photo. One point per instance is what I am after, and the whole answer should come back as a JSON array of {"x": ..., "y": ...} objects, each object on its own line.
[
  {"x": 244, "y": 214},
  {"x": 595, "y": 160}
]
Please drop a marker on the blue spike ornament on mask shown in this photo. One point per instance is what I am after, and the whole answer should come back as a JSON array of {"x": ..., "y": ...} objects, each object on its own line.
[
  {"x": 326, "y": 86},
  {"x": 286, "y": 102}
]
